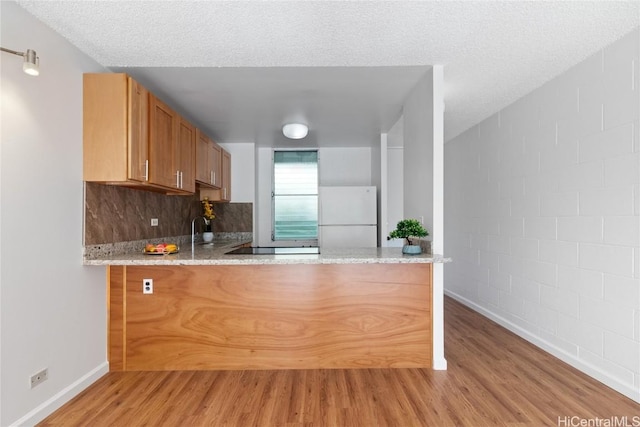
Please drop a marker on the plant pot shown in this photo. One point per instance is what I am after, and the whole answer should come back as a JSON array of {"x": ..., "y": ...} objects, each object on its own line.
[
  {"x": 207, "y": 237},
  {"x": 411, "y": 249}
]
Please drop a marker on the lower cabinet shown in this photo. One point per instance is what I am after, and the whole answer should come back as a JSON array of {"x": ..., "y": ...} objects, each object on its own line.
[{"x": 300, "y": 316}]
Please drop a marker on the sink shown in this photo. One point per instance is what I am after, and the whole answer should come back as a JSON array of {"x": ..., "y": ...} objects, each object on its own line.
[{"x": 268, "y": 250}]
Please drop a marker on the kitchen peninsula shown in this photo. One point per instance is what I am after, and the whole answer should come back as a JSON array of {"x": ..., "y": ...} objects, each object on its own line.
[{"x": 343, "y": 308}]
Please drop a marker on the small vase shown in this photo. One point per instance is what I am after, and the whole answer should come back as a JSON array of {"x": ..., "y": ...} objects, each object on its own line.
[
  {"x": 207, "y": 236},
  {"x": 411, "y": 249}
]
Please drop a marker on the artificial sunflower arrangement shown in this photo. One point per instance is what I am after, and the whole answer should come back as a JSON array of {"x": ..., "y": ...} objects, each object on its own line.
[{"x": 208, "y": 213}]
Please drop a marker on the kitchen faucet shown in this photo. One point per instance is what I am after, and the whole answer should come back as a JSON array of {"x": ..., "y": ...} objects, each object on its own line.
[{"x": 193, "y": 229}]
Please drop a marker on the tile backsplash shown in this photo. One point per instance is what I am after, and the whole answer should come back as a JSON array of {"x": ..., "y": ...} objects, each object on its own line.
[
  {"x": 119, "y": 214},
  {"x": 233, "y": 217}
]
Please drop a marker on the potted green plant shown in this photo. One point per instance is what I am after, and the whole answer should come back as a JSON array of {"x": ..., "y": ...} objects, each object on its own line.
[{"x": 408, "y": 229}]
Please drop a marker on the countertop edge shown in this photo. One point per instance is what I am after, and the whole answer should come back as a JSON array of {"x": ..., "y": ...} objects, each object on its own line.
[
  {"x": 272, "y": 260},
  {"x": 215, "y": 254}
]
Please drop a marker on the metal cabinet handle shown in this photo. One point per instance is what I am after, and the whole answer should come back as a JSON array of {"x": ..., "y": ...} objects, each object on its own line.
[{"x": 146, "y": 170}]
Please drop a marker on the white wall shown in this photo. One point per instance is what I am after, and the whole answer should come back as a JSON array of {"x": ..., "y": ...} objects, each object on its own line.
[
  {"x": 421, "y": 139},
  {"x": 53, "y": 309},
  {"x": 418, "y": 152},
  {"x": 374, "y": 168},
  {"x": 376, "y": 180},
  {"x": 542, "y": 204},
  {"x": 395, "y": 181},
  {"x": 264, "y": 176},
  {"x": 344, "y": 166}
]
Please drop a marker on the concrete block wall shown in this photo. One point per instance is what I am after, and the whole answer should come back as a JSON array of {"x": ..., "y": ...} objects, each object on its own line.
[{"x": 542, "y": 216}]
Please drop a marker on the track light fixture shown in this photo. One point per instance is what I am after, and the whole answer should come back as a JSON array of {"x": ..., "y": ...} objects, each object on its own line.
[{"x": 31, "y": 64}]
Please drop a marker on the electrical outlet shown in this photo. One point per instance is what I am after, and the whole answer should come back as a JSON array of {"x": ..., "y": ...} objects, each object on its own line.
[
  {"x": 154, "y": 222},
  {"x": 147, "y": 286},
  {"x": 39, "y": 377}
]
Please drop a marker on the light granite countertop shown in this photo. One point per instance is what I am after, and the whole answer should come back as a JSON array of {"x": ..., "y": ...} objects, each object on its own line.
[{"x": 215, "y": 254}]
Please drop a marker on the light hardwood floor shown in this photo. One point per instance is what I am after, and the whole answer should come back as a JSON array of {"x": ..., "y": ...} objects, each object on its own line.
[{"x": 494, "y": 379}]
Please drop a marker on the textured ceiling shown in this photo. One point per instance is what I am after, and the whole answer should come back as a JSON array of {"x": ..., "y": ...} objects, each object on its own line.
[{"x": 493, "y": 53}]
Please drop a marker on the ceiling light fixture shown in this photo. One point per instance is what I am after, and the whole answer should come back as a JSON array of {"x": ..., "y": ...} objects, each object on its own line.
[
  {"x": 295, "y": 130},
  {"x": 31, "y": 64}
]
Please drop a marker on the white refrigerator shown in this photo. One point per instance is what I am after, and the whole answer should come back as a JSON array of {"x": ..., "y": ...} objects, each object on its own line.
[{"x": 347, "y": 217}]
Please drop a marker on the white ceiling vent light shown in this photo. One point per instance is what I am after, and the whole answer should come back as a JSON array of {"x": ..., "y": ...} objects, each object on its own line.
[{"x": 295, "y": 130}]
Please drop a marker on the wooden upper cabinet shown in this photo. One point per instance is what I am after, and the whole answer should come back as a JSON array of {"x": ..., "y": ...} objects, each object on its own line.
[
  {"x": 186, "y": 155},
  {"x": 216, "y": 165},
  {"x": 208, "y": 161},
  {"x": 223, "y": 193},
  {"x": 132, "y": 138},
  {"x": 203, "y": 170},
  {"x": 115, "y": 129},
  {"x": 163, "y": 134},
  {"x": 171, "y": 148},
  {"x": 138, "y": 164},
  {"x": 225, "y": 189}
]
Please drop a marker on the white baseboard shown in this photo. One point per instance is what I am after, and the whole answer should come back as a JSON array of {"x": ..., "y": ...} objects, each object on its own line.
[
  {"x": 587, "y": 368},
  {"x": 48, "y": 407},
  {"x": 440, "y": 364}
]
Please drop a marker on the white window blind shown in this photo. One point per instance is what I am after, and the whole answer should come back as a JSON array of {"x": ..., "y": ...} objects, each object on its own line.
[{"x": 295, "y": 195}]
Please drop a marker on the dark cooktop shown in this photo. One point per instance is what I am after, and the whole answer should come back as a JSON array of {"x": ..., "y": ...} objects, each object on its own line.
[{"x": 264, "y": 250}]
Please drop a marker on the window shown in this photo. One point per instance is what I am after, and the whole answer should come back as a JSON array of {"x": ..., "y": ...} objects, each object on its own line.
[{"x": 295, "y": 195}]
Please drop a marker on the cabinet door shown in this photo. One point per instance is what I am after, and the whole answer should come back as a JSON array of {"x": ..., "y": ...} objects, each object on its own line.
[
  {"x": 208, "y": 161},
  {"x": 162, "y": 136},
  {"x": 203, "y": 158},
  {"x": 226, "y": 176},
  {"x": 223, "y": 192},
  {"x": 185, "y": 155},
  {"x": 138, "y": 132},
  {"x": 105, "y": 127},
  {"x": 216, "y": 165}
]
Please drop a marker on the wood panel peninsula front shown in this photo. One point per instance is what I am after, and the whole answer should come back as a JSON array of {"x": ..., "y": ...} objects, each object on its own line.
[{"x": 359, "y": 308}]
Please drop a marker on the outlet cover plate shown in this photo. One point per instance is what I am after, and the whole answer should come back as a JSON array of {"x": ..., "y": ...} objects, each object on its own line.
[
  {"x": 147, "y": 286},
  {"x": 39, "y": 377}
]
